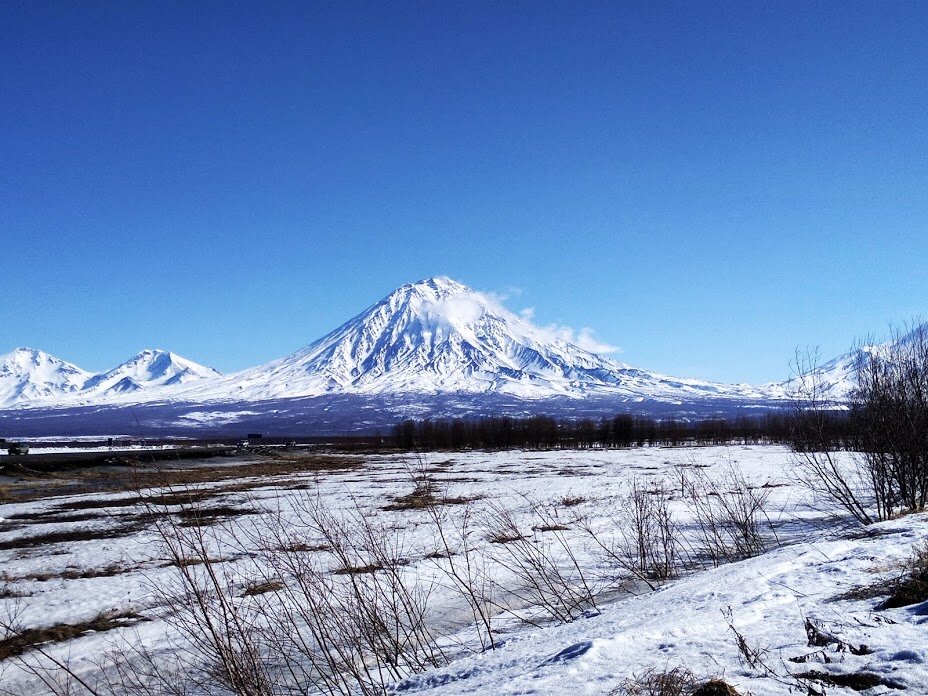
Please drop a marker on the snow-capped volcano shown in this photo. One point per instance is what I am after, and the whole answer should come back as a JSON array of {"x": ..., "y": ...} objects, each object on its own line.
[
  {"x": 27, "y": 374},
  {"x": 438, "y": 336},
  {"x": 146, "y": 370}
]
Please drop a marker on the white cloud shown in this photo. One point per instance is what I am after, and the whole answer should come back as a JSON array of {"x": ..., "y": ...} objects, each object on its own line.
[{"x": 584, "y": 338}]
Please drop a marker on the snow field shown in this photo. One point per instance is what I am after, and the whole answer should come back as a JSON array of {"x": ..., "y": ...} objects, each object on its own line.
[{"x": 684, "y": 623}]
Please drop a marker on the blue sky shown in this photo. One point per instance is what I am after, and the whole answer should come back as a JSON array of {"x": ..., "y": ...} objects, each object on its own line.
[{"x": 706, "y": 185}]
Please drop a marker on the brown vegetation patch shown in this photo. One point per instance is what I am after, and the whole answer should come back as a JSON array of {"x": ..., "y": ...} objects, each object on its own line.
[
  {"x": 29, "y": 638},
  {"x": 503, "y": 538},
  {"x": 359, "y": 570},
  {"x": 858, "y": 681},
  {"x": 572, "y": 501},
  {"x": 207, "y": 516},
  {"x": 861, "y": 592},
  {"x": 138, "y": 474},
  {"x": 263, "y": 588},
  {"x": 54, "y": 517},
  {"x": 301, "y": 547},
  {"x": 675, "y": 682},
  {"x": 70, "y": 535},
  {"x": 77, "y": 573},
  {"x": 170, "y": 498},
  {"x": 714, "y": 687},
  {"x": 551, "y": 528},
  {"x": 10, "y": 592},
  {"x": 195, "y": 561},
  {"x": 912, "y": 586},
  {"x": 424, "y": 497}
]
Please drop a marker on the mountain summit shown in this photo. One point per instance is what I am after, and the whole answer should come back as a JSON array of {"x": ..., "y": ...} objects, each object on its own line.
[
  {"x": 149, "y": 368},
  {"x": 438, "y": 336},
  {"x": 27, "y": 374}
]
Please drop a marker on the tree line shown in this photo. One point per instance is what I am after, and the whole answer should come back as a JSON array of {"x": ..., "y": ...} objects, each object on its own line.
[{"x": 621, "y": 430}]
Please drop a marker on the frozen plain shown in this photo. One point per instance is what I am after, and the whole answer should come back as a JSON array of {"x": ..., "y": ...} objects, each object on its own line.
[{"x": 814, "y": 568}]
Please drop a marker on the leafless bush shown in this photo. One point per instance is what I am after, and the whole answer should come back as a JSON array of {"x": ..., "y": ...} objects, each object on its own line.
[
  {"x": 891, "y": 411},
  {"x": 465, "y": 567},
  {"x": 646, "y": 544},
  {"x": 673, "y": 682},
  {"x": 817, "y": 466},
  {"x": 730, "y": 518},
  {"x": 353, "y": 619},
  {"x": 889, "y": 415},
  {"x": 545, "y": 566},
  {"x": 912, "y": 585}
]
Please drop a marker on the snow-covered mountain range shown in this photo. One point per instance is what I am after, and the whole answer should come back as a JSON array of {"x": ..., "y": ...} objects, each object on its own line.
[
  {"x": 431, "y": 338},
  {"x": 33, "y": 377}
]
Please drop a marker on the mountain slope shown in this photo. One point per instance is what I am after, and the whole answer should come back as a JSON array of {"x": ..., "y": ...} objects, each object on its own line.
[{"x": 27, "y": 374}]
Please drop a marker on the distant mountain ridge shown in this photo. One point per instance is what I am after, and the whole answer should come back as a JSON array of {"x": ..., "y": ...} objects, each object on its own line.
[
  {"x": 29, "y": 376},
  {"x": 435, "y": 338}
]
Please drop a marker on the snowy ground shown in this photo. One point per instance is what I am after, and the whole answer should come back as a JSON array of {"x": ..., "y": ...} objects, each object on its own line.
[{"x": 66, "y": 559}]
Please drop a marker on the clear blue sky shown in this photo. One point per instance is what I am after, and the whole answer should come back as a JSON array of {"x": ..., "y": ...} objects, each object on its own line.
[{"x": 707, "y": 185}]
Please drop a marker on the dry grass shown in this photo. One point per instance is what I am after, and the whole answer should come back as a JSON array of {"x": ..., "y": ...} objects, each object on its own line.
[
  {"x": 136, "y": 474},
  {"x": 26, "y": 639},
  {"x": 675, "y": 682},
  {"x": 208, "y": 516},
  {"x": 259, "y": 588},
  {"x": 74, "y": 574},
  {"x": 424, "y": 497},
  {"x": 912, "y": 586},
  {"x": 68, "y": 536}
]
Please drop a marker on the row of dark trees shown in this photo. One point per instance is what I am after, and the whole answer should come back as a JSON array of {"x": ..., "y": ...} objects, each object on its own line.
[{"x": 622, "y": 430}]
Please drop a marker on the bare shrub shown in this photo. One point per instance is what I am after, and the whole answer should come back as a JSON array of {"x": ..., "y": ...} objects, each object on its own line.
[
  {"x": 730, "y": 518},
  {"x": 348, "y": 630},
  {"x": 466, "y": 568},
  {"x": 891, "y": 412},
  {"x": 817, "y": 465},
  {"x": 674, "y": 682},
  {"x": 912, "y": 586},
  {"x": 646, "y": 544},
  {"x": 545, "y": 566}
]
